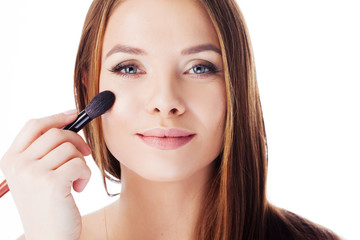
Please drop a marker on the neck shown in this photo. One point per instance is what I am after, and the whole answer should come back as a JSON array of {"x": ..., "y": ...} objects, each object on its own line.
[{"x": 159, "y": 210}]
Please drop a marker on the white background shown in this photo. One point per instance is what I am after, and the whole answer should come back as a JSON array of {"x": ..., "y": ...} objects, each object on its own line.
[{"x": 307, "y": 56}]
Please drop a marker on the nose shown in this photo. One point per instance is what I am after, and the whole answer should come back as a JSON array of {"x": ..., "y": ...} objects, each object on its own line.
[{"x": 165, "y": 99}]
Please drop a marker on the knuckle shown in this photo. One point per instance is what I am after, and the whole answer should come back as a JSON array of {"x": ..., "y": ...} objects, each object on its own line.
[
  {"x": 58, "y": 134},
  {"x": 55, "y": 132},
  {"x": 32, "y": 123},
  {"x": 78, "y": 163},
  {"x": 70, "y": 148},
  {"x": 57, "y": 118}
]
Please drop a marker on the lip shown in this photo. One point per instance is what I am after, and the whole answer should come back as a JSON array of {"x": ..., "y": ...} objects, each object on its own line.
[{"x": 166, "y": 139}]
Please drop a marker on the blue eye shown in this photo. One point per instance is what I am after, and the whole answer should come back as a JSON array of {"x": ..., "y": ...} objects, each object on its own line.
[
  {"x": 204, "y": 69},
  {"x": 130, "y": 69},
  {"x": 200, "y": 69},
  {"x": 125, "y": 69}
]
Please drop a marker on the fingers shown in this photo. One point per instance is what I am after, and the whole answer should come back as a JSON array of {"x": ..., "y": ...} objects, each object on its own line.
[
  {"x": 42, "y": 152},
  {"x": 52, "y": 139},
  {"x": 41, "y": 167},
  {"x": 33, "y": 129},
  {"x": 61, "y": 154},
  {"x": 73, "y": 173}
]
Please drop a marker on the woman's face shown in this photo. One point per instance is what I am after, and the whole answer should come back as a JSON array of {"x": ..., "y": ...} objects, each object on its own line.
[{"x": 162, "y": 60}]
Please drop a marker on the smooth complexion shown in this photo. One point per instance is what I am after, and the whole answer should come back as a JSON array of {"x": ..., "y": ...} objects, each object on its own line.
[{"x": 165, "y": 68}]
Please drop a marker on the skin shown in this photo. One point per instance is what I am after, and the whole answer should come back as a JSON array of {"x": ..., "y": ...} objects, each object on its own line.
[
  {"x": 164, "y": 92},
  {"x": 162, "y": 190},
  {"x": 41, "y": 166}
]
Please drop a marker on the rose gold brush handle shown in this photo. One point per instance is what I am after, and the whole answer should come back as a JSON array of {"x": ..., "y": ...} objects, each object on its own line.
[{"x": 4, "y": 188}]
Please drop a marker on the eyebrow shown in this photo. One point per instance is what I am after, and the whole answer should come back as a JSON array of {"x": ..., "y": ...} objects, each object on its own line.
[
  {"x": 137, "y": 51},
  {"x": 200, "y": 48}
]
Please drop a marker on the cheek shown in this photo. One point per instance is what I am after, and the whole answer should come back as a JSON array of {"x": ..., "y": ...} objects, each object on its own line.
[
  {"x": 127, "y": 103},
  {"x": 123, "y": 110},
  {"x": 119, "y": 127},
  {"x": 209, "y": 107},
  {"x": 119, "y": 121}
]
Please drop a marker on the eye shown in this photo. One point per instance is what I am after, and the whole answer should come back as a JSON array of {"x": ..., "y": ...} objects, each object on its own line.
[
  {"x": 208, "y": 68},
  {"x": 198, "y": 69},
  {"x": 125, "y": 69},
  {"x": 130, "y": 69}
]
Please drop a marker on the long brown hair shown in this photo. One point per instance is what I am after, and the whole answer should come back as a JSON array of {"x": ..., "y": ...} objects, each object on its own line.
[{"x": 236, "y": 205}]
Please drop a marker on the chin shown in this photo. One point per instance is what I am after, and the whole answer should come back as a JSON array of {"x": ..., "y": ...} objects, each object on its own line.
[
  {"x": 167, "y": 173},
  {"x": 164, "y": 176}
]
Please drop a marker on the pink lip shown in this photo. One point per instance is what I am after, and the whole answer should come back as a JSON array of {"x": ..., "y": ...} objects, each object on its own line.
[{"x": 166, "y": 139}]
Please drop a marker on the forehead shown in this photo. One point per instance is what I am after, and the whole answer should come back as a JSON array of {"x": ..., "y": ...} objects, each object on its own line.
[{"x": 165, "y": 23}]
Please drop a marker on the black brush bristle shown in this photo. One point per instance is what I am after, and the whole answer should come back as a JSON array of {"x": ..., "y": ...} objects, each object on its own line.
[{"x": 100, "y": 104}]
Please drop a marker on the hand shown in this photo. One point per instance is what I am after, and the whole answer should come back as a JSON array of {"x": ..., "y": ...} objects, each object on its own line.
[{"x": 41, "y": 166}]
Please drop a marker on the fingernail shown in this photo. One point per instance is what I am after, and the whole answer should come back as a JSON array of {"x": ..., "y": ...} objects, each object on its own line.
[{"x": 71, "y": 112}]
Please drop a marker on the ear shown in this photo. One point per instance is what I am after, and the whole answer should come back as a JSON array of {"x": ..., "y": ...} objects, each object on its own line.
[{"x": 84, "y": 76}]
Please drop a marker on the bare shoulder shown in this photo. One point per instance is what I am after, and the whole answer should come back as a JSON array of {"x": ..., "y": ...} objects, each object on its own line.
[{"x": 93, "y": 226}]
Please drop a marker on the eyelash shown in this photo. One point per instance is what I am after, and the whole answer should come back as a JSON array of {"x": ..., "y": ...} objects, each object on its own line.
[{"x": 212, "y": 69}]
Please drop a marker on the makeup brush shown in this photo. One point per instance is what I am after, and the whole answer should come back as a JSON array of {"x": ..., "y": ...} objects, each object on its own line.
[{"x": 96, "y": 107}]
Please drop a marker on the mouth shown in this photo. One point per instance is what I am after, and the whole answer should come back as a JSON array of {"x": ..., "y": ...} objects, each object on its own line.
[{"x": 166, "y": 139}]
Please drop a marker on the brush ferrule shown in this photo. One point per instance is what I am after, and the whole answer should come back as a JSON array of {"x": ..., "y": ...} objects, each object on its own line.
[{"x": 79, "y": 122}]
